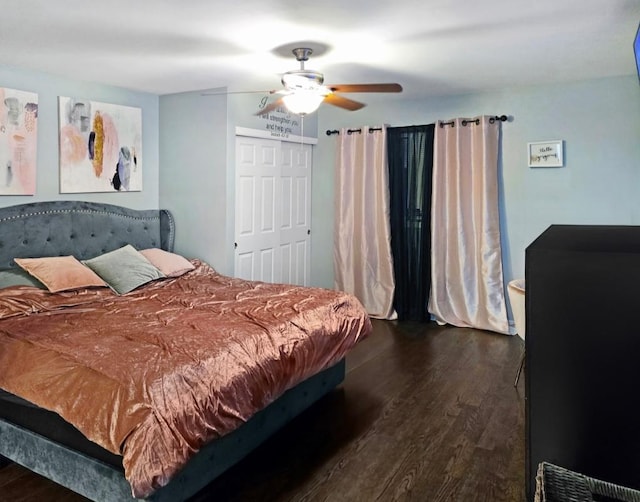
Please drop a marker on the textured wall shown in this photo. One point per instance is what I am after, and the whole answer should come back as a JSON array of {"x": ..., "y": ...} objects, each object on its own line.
[
  {"x": 49, "y": 87},
  {"x": 599, "y": 120}
]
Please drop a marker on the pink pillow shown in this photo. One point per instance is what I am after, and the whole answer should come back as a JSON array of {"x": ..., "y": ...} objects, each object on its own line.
[
  {"x": 60, "y": 273},
  {"x": 170, "y": 264}
]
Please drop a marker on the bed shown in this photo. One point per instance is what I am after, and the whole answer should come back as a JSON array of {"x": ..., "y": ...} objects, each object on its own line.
[{"x": 115, "y": 395}]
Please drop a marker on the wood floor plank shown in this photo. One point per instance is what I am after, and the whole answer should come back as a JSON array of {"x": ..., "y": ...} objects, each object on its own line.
[{"x": 426, "y": 413}]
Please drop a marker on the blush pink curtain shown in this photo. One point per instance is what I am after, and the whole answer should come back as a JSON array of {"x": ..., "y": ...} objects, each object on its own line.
[
  {"x": 362, "y": 237},
  {"x": 467, "y": 286}
]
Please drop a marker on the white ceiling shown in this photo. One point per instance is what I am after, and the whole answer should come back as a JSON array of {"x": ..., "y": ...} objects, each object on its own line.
[{"x": 431, "y": 47}]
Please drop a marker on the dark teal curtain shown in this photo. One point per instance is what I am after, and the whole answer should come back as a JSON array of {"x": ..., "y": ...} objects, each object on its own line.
[{"x": 410, "y": 158}]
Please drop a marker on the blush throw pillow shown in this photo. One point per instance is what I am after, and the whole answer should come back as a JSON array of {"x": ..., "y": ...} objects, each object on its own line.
[
  {"x": 60, "y": 273},
  {"x": 124, "y": 269},
  {"x": 170, "y": 264}
]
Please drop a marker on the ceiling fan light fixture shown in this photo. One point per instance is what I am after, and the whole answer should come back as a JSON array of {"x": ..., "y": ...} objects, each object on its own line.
[
  {"x": 304, "y": 90},
  {"x": 303, "y": 102}
]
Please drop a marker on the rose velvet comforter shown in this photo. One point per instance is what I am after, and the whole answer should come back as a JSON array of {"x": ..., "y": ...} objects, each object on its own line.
[{"x": 155, "y": 374}]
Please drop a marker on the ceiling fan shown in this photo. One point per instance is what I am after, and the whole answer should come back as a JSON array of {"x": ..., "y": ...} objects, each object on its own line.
[{"x": 304, "y": 90}]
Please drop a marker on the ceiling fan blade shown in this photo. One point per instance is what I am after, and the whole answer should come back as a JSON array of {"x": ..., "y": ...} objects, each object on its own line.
[
  {"x": 366, "y": 88},
  {"x": 224, "y": 93},
  {"x": 271, "y": 106},
  {"x": 341, "y": 102}
]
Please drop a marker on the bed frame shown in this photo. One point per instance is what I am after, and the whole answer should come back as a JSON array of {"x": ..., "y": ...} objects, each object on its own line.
[{"x": 85, "y": 230}]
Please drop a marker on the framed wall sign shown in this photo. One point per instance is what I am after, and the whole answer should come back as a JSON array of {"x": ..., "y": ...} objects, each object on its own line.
[{"x": 545, "y": 153}]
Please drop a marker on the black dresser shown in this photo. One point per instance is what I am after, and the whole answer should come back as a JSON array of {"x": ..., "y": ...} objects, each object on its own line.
[{"x": 583, "y": 352}]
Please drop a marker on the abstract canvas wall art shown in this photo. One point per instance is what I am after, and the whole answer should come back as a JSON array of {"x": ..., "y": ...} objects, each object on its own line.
[
  {"x": 18, "y": 141},
  {"x": 100, "y": 147}
]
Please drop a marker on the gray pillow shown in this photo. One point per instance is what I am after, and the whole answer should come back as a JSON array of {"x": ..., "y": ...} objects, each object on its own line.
[
  {"x": 18, "y": 277},
  {"x": 124, "y": 269}
]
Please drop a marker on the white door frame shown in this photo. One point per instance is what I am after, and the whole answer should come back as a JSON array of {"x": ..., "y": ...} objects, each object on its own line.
[{"x": 291, "y": 138}]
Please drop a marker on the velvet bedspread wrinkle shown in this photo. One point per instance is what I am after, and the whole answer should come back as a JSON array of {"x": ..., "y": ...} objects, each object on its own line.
[
  {"x": 156, "y": 373},
  {"x": 363, "y": 265},
  {"x": 467, "y": 287}
]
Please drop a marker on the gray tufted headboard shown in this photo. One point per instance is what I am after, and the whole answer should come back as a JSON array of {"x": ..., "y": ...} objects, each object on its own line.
[{"x": 81, "y": 229}]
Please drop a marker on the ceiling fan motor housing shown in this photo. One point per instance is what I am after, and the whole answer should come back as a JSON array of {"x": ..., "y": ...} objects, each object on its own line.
[{"x": 302, "y": 80}]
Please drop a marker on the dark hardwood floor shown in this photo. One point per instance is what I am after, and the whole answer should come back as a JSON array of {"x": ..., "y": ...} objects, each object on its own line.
[{"x": 426, "y": 413}]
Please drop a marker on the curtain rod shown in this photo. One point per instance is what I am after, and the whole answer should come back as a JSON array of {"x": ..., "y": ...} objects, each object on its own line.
[
  {"x": 501, "y": 118},
  {"x": 465, "y": 122},
  {"x": 351, "y": 131}
]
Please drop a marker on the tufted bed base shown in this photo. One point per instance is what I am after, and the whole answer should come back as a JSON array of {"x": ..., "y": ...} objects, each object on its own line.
[
  {"x": 102, "y": 482},
  {"x": 85, "y": 229}
]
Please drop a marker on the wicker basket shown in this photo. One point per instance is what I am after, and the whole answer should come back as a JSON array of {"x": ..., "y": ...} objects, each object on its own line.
[{"x": 555, "y": 484}]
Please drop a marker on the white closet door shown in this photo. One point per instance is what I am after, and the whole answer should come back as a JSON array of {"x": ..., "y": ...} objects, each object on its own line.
[
  {"x": 273, "y": 210},
  {"x": 295, "y": 228}
]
